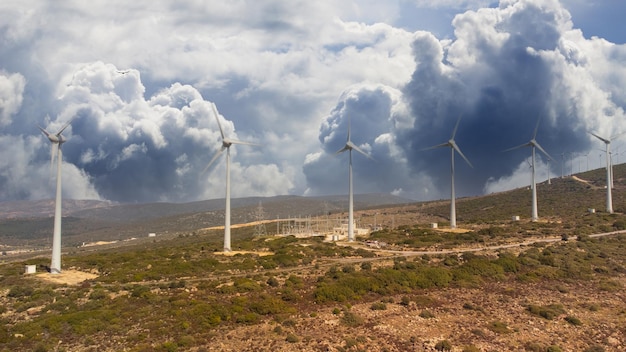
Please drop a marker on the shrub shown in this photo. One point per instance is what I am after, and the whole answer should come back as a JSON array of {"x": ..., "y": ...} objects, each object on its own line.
[
  {"x": 573, "y": 320},
  {"x": 548, "y": 312},
  {"x": 292, "y": 338},
  {"x": 498, "y": 327},
  {"x": 272, "y": 281},
  {"x": 553, "y": 348},
  {"x": 352, "y": 320},
  {"x": 444, "y": 345},
  {"x": 378, "y": 306},
  {"x": 426, "y": 314}
]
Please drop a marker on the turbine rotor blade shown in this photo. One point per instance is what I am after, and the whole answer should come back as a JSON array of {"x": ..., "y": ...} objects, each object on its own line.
[
  {"x": 446, "y": 144},
  {"x": 58, "y": 134},
  {"x": 517, "y": 147},
  {"x": 456, "y": 126},
  {"x": 218, "y": 120},
  {"x": 352, "y": 146},
  {"x": 600, "y": 138},
  {"x": 45, "y": 133},
  {"x": 536, "y": 128},
  {"x": 458, "y": 150},
  {"x": 345, "y": 147},
  {"x": 542, "y": 150},
  {"x": 234, "y": 141},
  {"x": 215, "y": 156}
]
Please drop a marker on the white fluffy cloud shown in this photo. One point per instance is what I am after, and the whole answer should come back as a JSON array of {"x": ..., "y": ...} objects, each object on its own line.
[{"x": 138, "y": 80}]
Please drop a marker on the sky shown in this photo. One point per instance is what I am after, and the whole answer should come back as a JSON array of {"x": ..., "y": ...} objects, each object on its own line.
[{"x": 138, "y": 82}]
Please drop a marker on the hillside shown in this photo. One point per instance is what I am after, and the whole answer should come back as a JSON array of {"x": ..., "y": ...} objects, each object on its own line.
[
  {"x": 88, "y": 221},
  {"x": 492, "y": 285}
]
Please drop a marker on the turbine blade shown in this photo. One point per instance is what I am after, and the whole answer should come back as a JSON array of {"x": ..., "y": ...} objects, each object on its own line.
[
  {"x": 536, "y": 128},
  {"x": 518, "y": 147},
  {"x": 456, "y": 126},
  {"x": 446, "y": 144},
  {"x": 360, "y": 151},
  {"x": 600, "y": 138},
  {"x": 215, "y": 156},
  {"x": 348, "y": 128},
  {"x": 64, "y": 127},
  {"x": 345, "y": 147},
  {"x": 45, "y": 133},
  {"x": 458, "y": 150},
  {"x": 536, "y": 144},
  {"x": 218, "y": 120},
  {"x": 234, "y": 141}
]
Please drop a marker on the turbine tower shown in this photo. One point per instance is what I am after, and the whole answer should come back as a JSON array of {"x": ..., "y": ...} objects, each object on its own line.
[
  {"x": 57, "y": 140},
  {"x": 533, "y": 144},
  {"x": 609, "y": 169},
  {"x": 349, "y": 147},
  {"x": 226, "y": 143},
  {"x": 453, "y": 147}
]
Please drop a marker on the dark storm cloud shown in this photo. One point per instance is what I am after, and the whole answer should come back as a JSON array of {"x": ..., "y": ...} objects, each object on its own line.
[{"x": 503, "y": 83}]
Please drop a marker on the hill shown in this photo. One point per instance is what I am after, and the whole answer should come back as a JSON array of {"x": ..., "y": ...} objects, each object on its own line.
[
  {"x": 494, "y": 284},
  {"x": 31, "y": 223}
]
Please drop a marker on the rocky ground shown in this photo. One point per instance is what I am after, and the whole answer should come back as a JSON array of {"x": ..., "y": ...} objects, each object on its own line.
[{"x": 492, "y": 318}]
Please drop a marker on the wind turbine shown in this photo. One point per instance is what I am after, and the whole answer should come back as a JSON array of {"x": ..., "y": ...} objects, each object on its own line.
[
  {"x": 609, "y": 169},
  {"x": 533, "y": 144},
  {"x": 57, "y": 140},
  {"x": 349, "y": 147},
  {"x": 453, "y": 147},
  {"x": 226, "y": 143}
]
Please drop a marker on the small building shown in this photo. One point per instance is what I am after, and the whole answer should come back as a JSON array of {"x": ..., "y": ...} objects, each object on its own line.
[
  {"x": 152, "y": 234},
  {"x": 30, "y": 269},
  {"x": 515, "y": 218}
]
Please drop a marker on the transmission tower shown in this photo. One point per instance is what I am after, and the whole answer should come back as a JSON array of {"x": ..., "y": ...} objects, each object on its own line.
[{"x": 259, "y": 229}]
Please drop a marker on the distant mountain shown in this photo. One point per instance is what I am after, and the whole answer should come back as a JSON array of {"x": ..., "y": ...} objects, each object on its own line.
[
  {"x": 45, "y": 208},
  {"x": 97, "y": 220}
]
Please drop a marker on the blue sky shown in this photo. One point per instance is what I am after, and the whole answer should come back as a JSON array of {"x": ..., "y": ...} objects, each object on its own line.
[{"x": 138, "y": 82}]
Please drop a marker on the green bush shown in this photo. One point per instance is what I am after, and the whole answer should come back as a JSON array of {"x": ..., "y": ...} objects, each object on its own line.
[
  {"x": 351, "y": 320},
  {"x": 573, "y": 320},
  {"x": 444, "y": 345},
  {"x": 548, "y": 312},
  {"x": 498, "y": 327},
  {"x": 378, "y": 306}
]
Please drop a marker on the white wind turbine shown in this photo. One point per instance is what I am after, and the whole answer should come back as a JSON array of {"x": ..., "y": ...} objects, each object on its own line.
[
  {"x": 609, "y": 169},
  {"x": 533, "y": 144},
  {"x": 226, "y": 143},
  {"x": 453, "y": 147},
  {"x": 349, "y": 147},
  {"x": 57, "y": 140}
]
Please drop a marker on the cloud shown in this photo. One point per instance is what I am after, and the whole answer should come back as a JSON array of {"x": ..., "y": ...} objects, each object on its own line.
[
  {"x": 11, "y": 90},
  {"x": 138, "y": 87},
  {"x": 508, "y": 68}
]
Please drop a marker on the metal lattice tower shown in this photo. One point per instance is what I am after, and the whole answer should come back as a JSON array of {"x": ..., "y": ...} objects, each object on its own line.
[{"x": 259, "y": 229}]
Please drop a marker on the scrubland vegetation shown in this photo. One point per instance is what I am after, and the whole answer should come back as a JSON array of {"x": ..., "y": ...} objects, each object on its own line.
[
  {"x": 176, "y": 295},
  {"x": 503, "y": 285}
]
